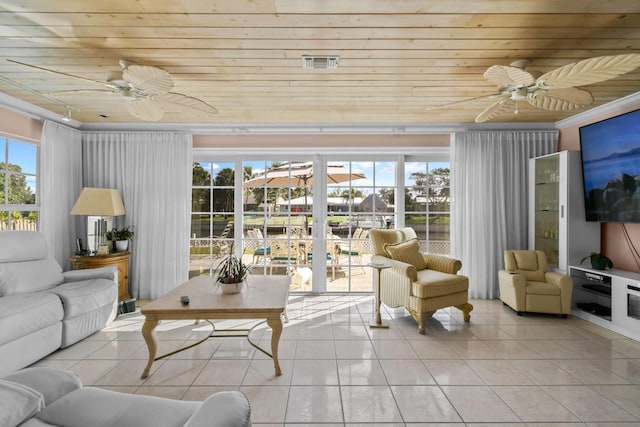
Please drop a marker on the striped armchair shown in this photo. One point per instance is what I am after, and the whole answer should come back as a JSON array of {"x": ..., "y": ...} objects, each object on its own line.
[{"x": 422, "y": 283}]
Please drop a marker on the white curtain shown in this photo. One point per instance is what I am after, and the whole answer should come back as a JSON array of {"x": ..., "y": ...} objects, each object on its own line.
[
  {"x": 489, "y": 196},
  {"x": 152, "y": 170},
  {"x": 61, "y": 183}
]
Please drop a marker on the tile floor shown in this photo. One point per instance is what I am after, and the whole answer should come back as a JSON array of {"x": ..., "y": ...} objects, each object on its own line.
[{"x": 500, "y": 369}]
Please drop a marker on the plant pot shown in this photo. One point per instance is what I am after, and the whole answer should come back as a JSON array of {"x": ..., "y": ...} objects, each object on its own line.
[
  {"x": 231, "y": 288},
  {"x": 122, "y": 245},
  {"x": 599, "y": 264}
]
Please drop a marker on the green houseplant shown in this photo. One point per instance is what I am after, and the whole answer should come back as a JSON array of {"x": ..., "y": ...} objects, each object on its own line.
[
  {"x": 121, "y": 237},
  {"x": 598, "y": 261},
  {"x": 232, "y": 272}
]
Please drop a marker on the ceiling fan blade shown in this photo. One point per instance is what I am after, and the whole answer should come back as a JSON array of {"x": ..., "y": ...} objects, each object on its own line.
[
  {"x": 589, "y": 71},
  {"x": 450, "y": 104},
  {"x": 496, "y": 109},
  {"x": 151, "y": 80},
  {"x": 144, "y": 109},
  {"x": 61, "y": 73},
  {"x": 504, "y": 75},
  {"x": 176, "y": 102},
  {"x": 560, "y": 99},
  {"x": 80, "y": 91}
]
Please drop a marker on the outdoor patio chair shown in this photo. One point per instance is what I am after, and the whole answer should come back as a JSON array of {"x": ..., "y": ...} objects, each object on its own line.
[
  {"x": 283, "y": 251},
  {"x": 262, "y": 251},
  {"x": 355, "y": 248}
]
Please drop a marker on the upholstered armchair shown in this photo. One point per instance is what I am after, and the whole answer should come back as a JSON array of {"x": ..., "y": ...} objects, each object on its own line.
[
  {"x": 526, "y": 284},
  {"x": 422, "y": 283}
]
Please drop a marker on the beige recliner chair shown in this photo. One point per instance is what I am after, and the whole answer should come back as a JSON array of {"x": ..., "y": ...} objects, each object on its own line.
[
  {"x": 526, "y": 284},
  {"x": 422, "y": 283}
]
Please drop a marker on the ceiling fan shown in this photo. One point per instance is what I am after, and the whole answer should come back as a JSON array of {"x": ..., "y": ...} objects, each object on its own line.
[
  {"x": 555, "y": 90},
  {"x": 145, "y": 90}
]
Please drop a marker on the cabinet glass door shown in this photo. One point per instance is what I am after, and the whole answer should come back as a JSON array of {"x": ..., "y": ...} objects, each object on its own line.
[{"x": 546, "y": 209}]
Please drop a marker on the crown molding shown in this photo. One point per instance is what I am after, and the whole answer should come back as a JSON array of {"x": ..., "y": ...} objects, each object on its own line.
[
  {"x": 598, "y": 112},
  {"x": 19, "y": 106}
]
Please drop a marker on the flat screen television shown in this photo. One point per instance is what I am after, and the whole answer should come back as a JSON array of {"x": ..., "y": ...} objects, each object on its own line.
[{"x": 611, "y": 168}]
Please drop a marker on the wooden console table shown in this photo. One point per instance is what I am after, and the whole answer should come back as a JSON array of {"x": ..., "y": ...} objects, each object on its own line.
[{"x": 116, "y": 259}]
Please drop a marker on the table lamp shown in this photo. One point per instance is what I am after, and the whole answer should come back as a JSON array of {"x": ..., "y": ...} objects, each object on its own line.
[{"x": 100, "y": 205}]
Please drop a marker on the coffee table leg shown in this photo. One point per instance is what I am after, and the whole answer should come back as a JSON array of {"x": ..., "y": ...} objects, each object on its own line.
[
  {"x": 149, "y": 334},
  {"x": 276, "y": 330}
]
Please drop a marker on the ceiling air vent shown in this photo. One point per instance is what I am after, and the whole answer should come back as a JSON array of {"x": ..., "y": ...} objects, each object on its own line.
[{"x": 319, "y": 62}]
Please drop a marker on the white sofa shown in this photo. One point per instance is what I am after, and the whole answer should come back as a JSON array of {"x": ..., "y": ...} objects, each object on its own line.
[
  {"x": 48, "y": 397},
  {"x": 41, "y": 307}
]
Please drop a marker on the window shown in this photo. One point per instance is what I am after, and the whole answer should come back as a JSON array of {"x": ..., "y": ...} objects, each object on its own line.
[
  {"x": 427, "y": 204},
  {"x": 18, "y": 185}
]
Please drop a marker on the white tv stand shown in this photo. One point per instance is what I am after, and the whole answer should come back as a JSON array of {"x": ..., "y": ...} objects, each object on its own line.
[{"x": 609, "y": 298}]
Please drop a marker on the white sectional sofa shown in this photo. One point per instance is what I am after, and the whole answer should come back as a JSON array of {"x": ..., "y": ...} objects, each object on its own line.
[
  {"x": 41, "y": 307},
  {"x": 48, "y": 397}
]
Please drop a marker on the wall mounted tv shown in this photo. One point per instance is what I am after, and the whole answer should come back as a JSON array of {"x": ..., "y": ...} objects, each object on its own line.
[{"x": 611, "y": 168}]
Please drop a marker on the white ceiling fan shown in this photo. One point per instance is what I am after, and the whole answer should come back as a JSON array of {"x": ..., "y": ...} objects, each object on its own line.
[
  {"x": 145, "y": 90},
  {"x": 555, "y": 90}
]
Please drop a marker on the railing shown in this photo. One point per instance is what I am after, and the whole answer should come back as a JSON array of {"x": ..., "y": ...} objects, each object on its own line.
[{"x": 21, "y": 224}]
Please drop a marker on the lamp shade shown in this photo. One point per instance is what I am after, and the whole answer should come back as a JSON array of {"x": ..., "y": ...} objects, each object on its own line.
[{"x": 99, "y": 201}]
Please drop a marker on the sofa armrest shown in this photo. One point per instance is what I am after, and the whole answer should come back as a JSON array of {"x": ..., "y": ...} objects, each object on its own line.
[
  {"x": 50, "y": 382},
  {"x": 222, "y": 409},
  {"x": 513, "y": 279},
  {"x": 398, "y": 268},
  {"x": 565, "y": 283},
  {"x": 109, "y": 273},
  {"x": 442, "y": 263}
]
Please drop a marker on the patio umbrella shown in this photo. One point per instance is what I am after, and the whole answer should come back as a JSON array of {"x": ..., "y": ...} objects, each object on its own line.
[{"x": 300, "y": 174}]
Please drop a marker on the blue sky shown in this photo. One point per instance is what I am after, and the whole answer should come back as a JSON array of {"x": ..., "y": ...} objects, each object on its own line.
[{"x": 21, "y": 154}]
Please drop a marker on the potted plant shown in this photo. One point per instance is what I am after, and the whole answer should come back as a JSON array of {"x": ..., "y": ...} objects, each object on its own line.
[
  {"x": 598, "y": 261},
  {"x": 232, "y": 273},
  {"x": 121, "y": 237}
]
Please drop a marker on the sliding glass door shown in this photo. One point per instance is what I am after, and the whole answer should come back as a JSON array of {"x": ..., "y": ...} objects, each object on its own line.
[{"x": 309, "y": 216}]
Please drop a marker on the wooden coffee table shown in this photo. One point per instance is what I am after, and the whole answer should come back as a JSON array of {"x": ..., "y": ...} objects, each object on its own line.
[{"x": 263, "y": 297}]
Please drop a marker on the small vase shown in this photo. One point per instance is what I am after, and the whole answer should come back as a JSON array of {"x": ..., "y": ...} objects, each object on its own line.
[
  {"x": 599, "y": 264},
  {"x": 122, "y": 245},
  {"x": 231, "y": 288}
]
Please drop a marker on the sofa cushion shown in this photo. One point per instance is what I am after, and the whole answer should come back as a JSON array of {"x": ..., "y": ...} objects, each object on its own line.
[
  {"x": 96, "y": 407},
  {"x": 433, "y": 283},
  {"x": 407, "y": 252},
  {"x": 23, "y": 314},
  {"x": 18, "y": 403},
  {"x": 542, "y": 288},
  {"x": 85, "y": 296},
  {"x": 17, "y": 246},
  {"x": 29, "y": 276},
  {"x": 526, "y": 260}
]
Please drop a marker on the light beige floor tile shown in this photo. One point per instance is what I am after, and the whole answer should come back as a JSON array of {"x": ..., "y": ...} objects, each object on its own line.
[
  {"x": 262, "y": 372},
  {"x": 176, "y": 372},
  {"x": 315, "y": 372},
  {"x": 286, "y": 349},
  {"x": 234, "y": 348},
  {"x": 629, "y": 369},
  {"x": 531, "y": 404},
  {"x": 127, "y": 373},
  {"x": 350, "y": 331},
  {"x": 432, "y": 349},
  {"x": 497, "y": 372},
  {"x": 406, "y": 372},
  {"x": 489, "y": 332},
  {"x": 308, "y": 404},
  {"x": 369, "y": 404},
  {"x": 394, "y": 349},
  {"x": 421, "y": 403},
  {"x": 320, "y": 349},
  {"x": 79, "y": 350},
  {"x": 356, "y": 349},
  {"x": 590, "y": 372},
  {"x": 479, "y": 404},
  {"x": 117, "y": 350},
  {"x": 164, "y": 347},
  {"x": 474, "y": 349},
  {"x": 316, "y": 332},
  {"x": 453, "y": 372},
  {"x": 361, "y": 372},
  {"x": 587, "y": 404},
  {"x": 169, "y": 392},
  {"x": 625, "y": 396},
  {"x": 90, "y": 371},
  {"x": 221, "y": 372},
  {"x": 544, "y": 372},
  {"x": 268, "y": 403},
  {"x": 204, "y": 350},
  {"x": 201, "y": 393},
  {"x": 512, "y": 349}
]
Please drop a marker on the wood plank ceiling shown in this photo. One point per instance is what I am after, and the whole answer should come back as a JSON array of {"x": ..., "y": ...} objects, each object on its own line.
[{"x": 399, "y": 60}]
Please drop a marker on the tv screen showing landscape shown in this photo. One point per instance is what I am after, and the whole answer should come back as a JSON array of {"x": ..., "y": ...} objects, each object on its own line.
[{"x": 611, "y": 168}]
